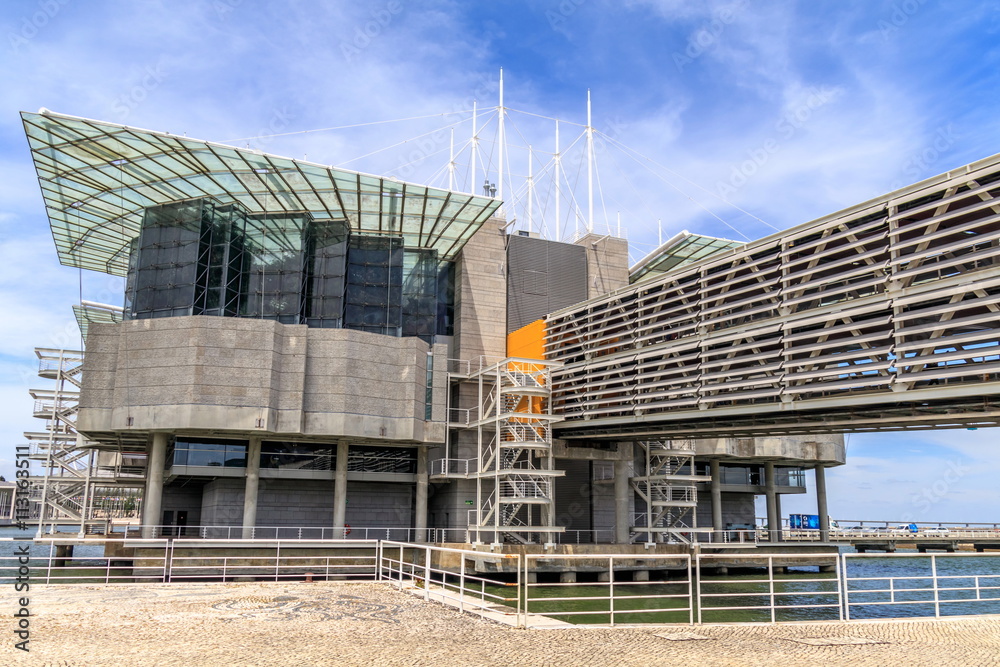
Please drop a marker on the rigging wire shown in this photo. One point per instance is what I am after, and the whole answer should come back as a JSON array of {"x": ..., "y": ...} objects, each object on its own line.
[{"x": 344, "y": 127}]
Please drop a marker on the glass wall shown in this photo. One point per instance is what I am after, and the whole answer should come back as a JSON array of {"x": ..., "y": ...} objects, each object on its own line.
[
  {"x": 374, "y": 284},
  {"x": 382, "y": 459},
  {"x": 325, "y": 288},
  {"x": 204, "y": 452},
  {"x": 277, "y": 246},
  {"x": 297, "y": 456},
  {"x": 200, "y": 257}
]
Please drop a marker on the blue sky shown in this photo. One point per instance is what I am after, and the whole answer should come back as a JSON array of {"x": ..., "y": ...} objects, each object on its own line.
[{"x": 788, "y": 110}]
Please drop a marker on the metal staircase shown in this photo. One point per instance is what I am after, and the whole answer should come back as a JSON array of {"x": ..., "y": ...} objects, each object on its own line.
[
  {"x": 514, "y": 469},
  {"x": 669, "y": 489},
  {"x": 75, "y": 477}
]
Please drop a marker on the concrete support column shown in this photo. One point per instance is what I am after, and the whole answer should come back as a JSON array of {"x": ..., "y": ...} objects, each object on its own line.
[
  {"x": 777, "y": 509},
  {"x": 250, "y": 490},
  {"x": 152, "y": 499},
  {"x": 420, "y": 505},
  {"x": 623, "y": 494},
  {"x": 821, "y": 507},
  {"x": 716, "y": 500},
  {"x": 773, "y": 522},
  {"x": 340, "y": 491}
]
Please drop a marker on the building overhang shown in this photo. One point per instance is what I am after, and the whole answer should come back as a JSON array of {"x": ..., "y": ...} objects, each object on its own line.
[
  {"x": 678, "y": 251},
  {"x": 97, "y": 178}
]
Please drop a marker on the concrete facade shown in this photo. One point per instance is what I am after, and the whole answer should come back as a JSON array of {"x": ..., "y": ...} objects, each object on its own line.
[{"x": 258, "y": 376}]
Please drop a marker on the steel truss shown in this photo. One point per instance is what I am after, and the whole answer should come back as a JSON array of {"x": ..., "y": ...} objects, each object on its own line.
[
  {"x": 885, "y": 316},
  {"x": 669, "y": 489},
  {"x": 78, "y": 485},
  {"x": 514, "y": 469}
]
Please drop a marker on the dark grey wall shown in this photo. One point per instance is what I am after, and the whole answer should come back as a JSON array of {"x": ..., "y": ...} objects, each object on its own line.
[
  {"x": 542, "y": 277},
  {"x": 573, "y": 491}
]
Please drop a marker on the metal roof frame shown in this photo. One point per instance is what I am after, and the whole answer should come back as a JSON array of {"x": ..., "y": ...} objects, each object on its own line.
[{"x": 97, "y": 178}]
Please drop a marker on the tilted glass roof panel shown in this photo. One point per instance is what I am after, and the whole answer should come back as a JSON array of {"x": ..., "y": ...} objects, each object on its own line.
[
  {"x": 87, "y": 315},
  {"x": 97, "y": 177},
  {"x": 683, "y": 249}
]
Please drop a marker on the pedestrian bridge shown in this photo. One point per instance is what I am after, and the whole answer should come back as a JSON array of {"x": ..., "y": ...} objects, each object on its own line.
[{"x": 885, "y": 316}]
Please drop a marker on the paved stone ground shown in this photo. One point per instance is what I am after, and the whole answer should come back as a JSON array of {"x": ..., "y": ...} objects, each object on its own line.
[{"x": 373, "y": 624}]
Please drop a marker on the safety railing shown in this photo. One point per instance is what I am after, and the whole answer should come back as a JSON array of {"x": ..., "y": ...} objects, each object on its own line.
[
  {"x": 168, "y": 561},
  {"x": 462, "y": 416},
  {"x": 623, "y": 592},
  {"x": 946, "y": 583},
  {"x": 772, "y": 596},
  {"x": 462, "y": 467},
  {"x": 422, "y": 569},
  {"x": 557, "y": 590},
  {"x": 212, "y": 532}
]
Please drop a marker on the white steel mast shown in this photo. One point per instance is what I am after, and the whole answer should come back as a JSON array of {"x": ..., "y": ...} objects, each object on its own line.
[
  {"x": 590, "y": 168},
  {"x": 558, "y": 159},
  {"x": 501, "y": 140},
  {"x": 531, "y": 188},
  {"x": 451, "y": 162},
  {"x": 475, "y": 151}
]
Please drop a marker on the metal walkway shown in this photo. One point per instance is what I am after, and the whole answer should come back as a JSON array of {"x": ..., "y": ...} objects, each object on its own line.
[{"x": 885, "y": 316}]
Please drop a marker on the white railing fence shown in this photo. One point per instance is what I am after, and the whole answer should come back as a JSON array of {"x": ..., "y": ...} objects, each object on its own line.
[{"x": 556, "y": 590}]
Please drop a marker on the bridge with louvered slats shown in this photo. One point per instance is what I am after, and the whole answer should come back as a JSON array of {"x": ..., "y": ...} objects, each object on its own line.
[{"x": 885, "y": 316}]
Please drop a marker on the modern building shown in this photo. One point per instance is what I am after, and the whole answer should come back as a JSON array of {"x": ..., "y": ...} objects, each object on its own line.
[
  {"x": 307, "y": 347},
  {"x": 8, "y": 503}
]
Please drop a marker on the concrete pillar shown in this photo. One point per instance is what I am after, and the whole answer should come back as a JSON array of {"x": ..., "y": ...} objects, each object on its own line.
[
  {"x": 567, "y": 577},
  {"x": 152, "y": 499},
  {"x": 777, "y": 509},
  {"x": 420, "y": 505},
  {"x": 640, "y": 575},
  {"x": 623, "y": 494},
  {"x": 340, "y": 491},
  {"x": 773, "y": 522},
  {"x": 604, "y": 576},
  {"x": 62, "y": 556},
  {"x": 250, "y": 489},
  {"x": 821, "y": 507},
  {"x": 716, "y": 500}
]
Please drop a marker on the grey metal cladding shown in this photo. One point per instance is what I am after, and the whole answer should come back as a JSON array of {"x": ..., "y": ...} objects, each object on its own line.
[
  {"x": 542, "y": 277},
  {"x": 573, "y": 505}
]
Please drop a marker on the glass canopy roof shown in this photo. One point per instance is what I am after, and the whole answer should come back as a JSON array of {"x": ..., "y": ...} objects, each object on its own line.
[
  {"x": 97, "y": 177},
  {"x": 87, "y": 315},
  {"x": 684, "y": 248}
]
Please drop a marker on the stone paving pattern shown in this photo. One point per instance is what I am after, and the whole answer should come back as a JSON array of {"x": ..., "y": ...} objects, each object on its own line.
[{"x": 374, "y": 624}]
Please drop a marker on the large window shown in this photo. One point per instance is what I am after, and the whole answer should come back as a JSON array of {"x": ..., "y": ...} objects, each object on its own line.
[
  {"x": 209, "y": 453},
  {"x": 200, "y": 257},
  {"x": 297, "y": 456},
  {"x": 382, "y": 459}
]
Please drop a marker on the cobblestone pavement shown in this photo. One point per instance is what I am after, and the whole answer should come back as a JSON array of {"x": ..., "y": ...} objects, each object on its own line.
[{"x": 373, "y": 624}]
